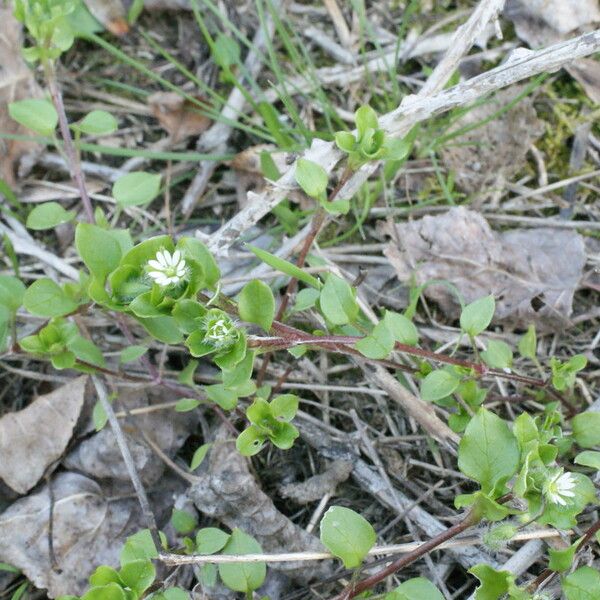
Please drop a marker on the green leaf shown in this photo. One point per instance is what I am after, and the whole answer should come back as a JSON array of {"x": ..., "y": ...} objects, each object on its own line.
[
  {"x": 493, "y": 584},
  {"x": 528, "y": 344},
  {"x": 284, "y": 407},
  {"x": 337, "y": 301},
  {"x": 225, "y": 398},
  {"x": 417, "y": 588},
  {"x": 379, "y": 344},
  {"x": 199, "y": 456},
  {"x": 134, "y": 189},
  {"x": 164, "y": 329},
  {"x": 99, "y": 416},
  {"x": 98, "y": 248},
  {"x": 138, "y": 575},
  {"x": 498, "y": 355},
  {"x": 131, "y": 353},
  {"x": 104, "y": 575},
  {"x": 97, "y": 122},
  {"x": 312, "y": 178},
  {"x": 345, "y": 141},
  {"x": 138, "y": 546},
  {"x": 365, "y": 118},
  {"x": 45, "y": 298},
  {"x": 183, "y": 522},
  {"x": 347, "y": 535},
  {"x": 12, "y": 291},
  {"x": 8, "y": 568},
  {"x": 196, "y": 250},
  {"x": 306, "y": 299},
  {"x": 256, "y": 304},
  {"x": 110, "y": 591},
  {"x": 561, "y": 560},
  {"x": 402, "y": 328},
  {"x": 35, "y": 114},
  {"x": 226, "y": 51},
  {"x": 86, "y": 351},
  {"x": 589, "y": 458},
  {"x": 48, "y": 215},
  {"x": 583, "y": 584},
  {"x": 279, "y": 264},
  {"x": 488, "y": 452},
  {"x": 240, "y": 374},
  {"x": 210, "y": 540},
  {"x": 187, "y": 404},
  {"x": 250, "y": 441},
  {"x": 438, "y": 384},
  {"x": 586, "y": 429},
  {"x": 242, "y": 577},
  {"x": 476, "y": 317},
  {"x": 284, "y": 436}
]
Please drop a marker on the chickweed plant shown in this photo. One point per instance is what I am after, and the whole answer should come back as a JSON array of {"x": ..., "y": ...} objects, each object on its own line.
[{"x": 534, "y": 470}]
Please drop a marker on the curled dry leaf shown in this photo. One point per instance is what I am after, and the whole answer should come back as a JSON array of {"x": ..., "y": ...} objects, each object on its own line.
[
  {"x": 98, "y": 456},
  {"x": 35, "y": 437},
  {"x": 228, "y": 492},
  {"x": 497, "y": 149},
  {"x": 178, "y": 116},
  {"x": 533, "y": 273},
  {"x": 543, "y": 22},
  {"x": 16, "y": 83},
  {"x": 89, "y": 529},
  {"x": 317, "y": 486},
  {"x": 111, "y": 13}
]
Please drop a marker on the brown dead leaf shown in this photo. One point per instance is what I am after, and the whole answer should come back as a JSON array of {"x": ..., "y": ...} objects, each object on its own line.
[
  {"x": 33, "y": 438},
  {"x": 16, "y": 83},
  {"x": 178, "y": 116},
  {"x": 497, "y": 149},
  {"x": 533, "y": 273},
  {"x": 99, "y": 457},
  {"x": 228, "y": 492},
  {"x": 317, "y": 486},
  {"x": 111, "y": 13},
  {"x": 89, "y": 529},
  {"x": 542, "y": 22}
]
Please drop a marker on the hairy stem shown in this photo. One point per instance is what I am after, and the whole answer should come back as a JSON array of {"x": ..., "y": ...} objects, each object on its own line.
[{"x": 71, "y": 153}]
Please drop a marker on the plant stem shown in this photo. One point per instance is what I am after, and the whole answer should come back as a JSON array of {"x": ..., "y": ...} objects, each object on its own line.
[
  {"x": 470, "y": 519},
  {"x": 71, "y": 152}
]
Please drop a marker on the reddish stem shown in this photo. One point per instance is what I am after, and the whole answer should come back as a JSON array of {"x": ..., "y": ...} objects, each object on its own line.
[{"x": 355, "y": 589}]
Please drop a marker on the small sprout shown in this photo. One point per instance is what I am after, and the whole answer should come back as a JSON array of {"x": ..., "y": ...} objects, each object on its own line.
[
  {"x": 558, "y": 488},
  {"x": 167, "y": 269},
  {"x": 220, "y": 329}
]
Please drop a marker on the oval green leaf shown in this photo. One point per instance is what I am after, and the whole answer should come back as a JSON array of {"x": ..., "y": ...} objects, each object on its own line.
[
  {"x": 48, "y": 215},
  {"x": 256, "y": 304},
  {"x": 135, "y": 189}
]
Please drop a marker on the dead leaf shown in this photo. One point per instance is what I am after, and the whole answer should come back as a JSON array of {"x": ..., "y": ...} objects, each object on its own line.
[
  {"x": 496, "y": 149},
  {"x": 543, "y": 22},
  {"x": 99, "y": 457},
  {"x": 111, "y": 13},
  {"x": 35, "y": 437},
  {"x": 533, "y": 273},
  {"x": 317, "y": 486},
  {"x": 228, "y": 492},
  {"x": 89, "y": 529},
  {"x": 16, "y": 83},
  {"x": 178, "y": 116},
  {"x": 563, "y": 16}
]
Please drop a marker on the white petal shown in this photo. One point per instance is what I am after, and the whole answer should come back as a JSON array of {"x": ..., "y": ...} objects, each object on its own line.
[
  {"x": 558, "y": 500},
  {"x": 174, "y": 279},
  {"x": 180, "y": 271},
  {"x": 567, "y": 493},
  {"x": 163, "y": 281},
  {"x": 155, "y": 265},
  {"x": 156, "y": 274},
  {"x": 176, "y": 257},
  {"x": 160, "y": 257}
]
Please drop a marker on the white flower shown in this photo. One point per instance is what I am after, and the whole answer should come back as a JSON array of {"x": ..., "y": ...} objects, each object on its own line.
[
  {"x": 559, "y": 488},
  {"x": 167, "y": 269},
  {"x": 218, "y": 331}
]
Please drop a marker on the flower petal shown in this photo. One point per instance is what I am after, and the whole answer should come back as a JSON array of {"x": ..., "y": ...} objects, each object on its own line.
[
  {"x": 176, "y": 257},
  {"x": 155, "y": 265}
]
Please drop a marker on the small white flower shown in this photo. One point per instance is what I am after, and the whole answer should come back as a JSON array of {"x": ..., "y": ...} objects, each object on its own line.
[
  {"x": 167, "y": 269},
  {"x": 218, "y": 331},
  {"x": 559, "y": 488}
]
